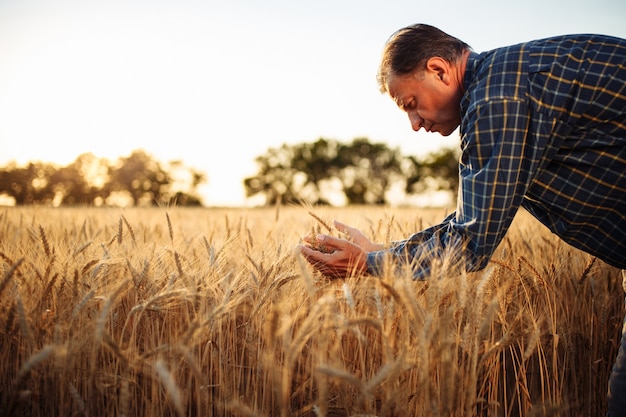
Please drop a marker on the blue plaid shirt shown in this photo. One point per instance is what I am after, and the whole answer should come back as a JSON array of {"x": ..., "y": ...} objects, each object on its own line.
[{"x": 543, "y": 127}]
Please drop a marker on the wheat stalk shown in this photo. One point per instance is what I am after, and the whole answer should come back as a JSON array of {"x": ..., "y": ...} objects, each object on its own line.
[
  {"x": 81, "y": 249},
  {"x": 170, "y": 386},
  {"x": 44, "y": 241},
  {"x": 24, "y": 325},
  {"x": 320, "y": 221},
  {"x": 130, "y": 229},
  {"x": 9, "y": 274},
  {"x": 124, "y": 398},
  {"x": 179, "y": 265},
  {"x": 33, "y": 361},
  {"x": 120, "y": 231},
  {"x": 169, "y": 227},
  {"x": 78, "y": 399}
]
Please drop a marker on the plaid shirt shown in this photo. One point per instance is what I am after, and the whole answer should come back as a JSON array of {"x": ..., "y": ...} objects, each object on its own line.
[{"x": 543, "y": 127}]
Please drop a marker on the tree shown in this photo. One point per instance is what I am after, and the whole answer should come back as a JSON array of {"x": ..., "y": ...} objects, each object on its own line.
[
  {"x": 367, "y": 170},
  {"x": 141, "y": 177},
  {"x": 305, "y": 172},
  {"x": 91, "y": 180},
  {"x": 27, "y": 185},
  {"x": 361, "y": 171},
  {"x": 183, "y": 189},
  {"x": 276, "y": 179},
  {"x": 81, "y": 181},
  {"x": 438, "y": 171}
]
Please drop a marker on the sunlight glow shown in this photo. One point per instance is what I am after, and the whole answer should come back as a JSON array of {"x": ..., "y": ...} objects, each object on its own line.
[{"x": 216, "y": 85}]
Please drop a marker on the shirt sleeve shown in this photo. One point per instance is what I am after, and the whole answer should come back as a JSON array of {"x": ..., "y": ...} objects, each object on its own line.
[{"x": 496, "y": 168}]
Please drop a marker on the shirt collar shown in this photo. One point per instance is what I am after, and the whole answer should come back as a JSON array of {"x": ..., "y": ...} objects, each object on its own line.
[{"x": 470, "y": 69}]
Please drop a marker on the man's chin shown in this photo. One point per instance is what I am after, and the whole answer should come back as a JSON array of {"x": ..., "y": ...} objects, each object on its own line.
[{"x": 448, "y": 131}]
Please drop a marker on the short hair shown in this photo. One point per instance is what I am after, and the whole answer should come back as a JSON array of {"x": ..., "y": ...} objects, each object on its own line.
[{"x": 408, "y": 49}]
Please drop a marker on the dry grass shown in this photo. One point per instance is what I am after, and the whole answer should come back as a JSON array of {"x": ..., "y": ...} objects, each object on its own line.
[{"x": 206, "y": 312}]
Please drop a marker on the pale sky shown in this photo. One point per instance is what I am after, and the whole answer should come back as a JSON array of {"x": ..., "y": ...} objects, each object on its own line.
[{"x": 215, "y": 84}]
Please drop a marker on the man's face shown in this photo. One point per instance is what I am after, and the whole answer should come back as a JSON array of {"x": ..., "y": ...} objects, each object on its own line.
[{"x": 429, "y": 101}]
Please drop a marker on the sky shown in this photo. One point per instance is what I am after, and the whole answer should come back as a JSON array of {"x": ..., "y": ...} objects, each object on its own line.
[{"x": 215, "y": 84}]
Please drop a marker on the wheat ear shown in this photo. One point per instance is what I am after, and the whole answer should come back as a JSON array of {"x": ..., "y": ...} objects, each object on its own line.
[{"x": 322, "y": 222}]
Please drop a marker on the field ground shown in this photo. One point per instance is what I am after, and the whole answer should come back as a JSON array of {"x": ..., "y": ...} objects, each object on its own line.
[{"x": 209, "y": 312}]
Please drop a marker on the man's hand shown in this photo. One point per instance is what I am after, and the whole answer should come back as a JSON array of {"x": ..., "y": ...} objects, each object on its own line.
[
  {"x": 336, "y": 257},
  {"x": 355, "y": 236}
]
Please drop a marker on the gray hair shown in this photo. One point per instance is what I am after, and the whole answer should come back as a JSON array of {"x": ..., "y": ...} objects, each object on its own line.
[{"x": 409, "y": 48}]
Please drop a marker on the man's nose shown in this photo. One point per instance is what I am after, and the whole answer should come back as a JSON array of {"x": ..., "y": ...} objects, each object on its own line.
[{"x": 416, "y": 121}]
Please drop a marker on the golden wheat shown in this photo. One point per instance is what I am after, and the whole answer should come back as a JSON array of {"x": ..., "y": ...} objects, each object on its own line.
[{"x": 212, "y": 312}]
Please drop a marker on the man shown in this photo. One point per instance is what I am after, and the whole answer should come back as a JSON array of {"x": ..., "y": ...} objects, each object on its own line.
[{"x": 542, "y": 125}]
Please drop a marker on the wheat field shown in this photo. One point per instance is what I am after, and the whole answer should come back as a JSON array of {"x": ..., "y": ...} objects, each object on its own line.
[{"x": 210, "y": 312}]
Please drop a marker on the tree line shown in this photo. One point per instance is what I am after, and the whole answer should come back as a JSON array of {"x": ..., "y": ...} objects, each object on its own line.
[
  {"x": 135, "y": 180},
  {"x": 359, "y": 172},
  {"x": 317, "y": 173}
]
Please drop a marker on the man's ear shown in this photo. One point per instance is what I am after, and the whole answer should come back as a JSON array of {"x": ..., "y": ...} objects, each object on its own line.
[{"x": 439, "y": 66}]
